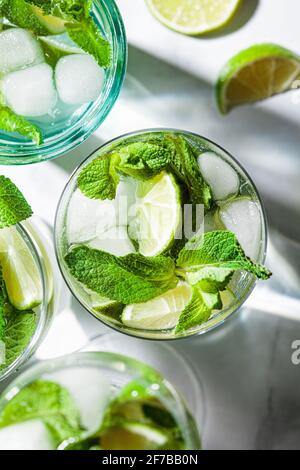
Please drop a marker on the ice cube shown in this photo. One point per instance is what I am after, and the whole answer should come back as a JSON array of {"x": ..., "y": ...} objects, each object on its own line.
[
  {"x": 30, "y": 435},
  {"x": 221, "y": 177},
  {"x": 84, "y": 216},
  {"x": 30, "y": 92},
  {"x": 115, "y": 241},
  {"x": 242, "y": 216},
  {"x": 18, "y": 49},
  {"x": 90, "y": 391},
  {"x": 78, "y": 79}
]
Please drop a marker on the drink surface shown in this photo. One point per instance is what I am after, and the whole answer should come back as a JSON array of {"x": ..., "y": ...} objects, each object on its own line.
[
  {"x": 94, "y": 407},
  {"x": 159, "y": 234},
  {"x": 51, "y": 73}
]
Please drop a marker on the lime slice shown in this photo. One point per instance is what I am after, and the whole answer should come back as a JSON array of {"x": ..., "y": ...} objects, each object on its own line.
[
  {"x": 256, "y": 73},
  {"x": 194, "y": 16},
  {"x": 133, "y": 436},
  {"x": 61, "y": 44},
  {"x": 157, "y": 214},
  {"x": 52, "y": 24},
  {"x": 160, "y": 313},
  {"x": 20, "y": 272},
  {"x": 99, "y": 303}
]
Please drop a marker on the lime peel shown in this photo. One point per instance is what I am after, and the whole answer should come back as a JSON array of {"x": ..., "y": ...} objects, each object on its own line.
[{"x": 258, "y": 86}]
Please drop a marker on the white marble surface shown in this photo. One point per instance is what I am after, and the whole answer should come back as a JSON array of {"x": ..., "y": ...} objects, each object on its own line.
[{"x": 251, "y": 387}]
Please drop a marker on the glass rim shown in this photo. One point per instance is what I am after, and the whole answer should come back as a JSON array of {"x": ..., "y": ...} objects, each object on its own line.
[
  {"x": 43, "y": 317},
  {"x": 22, "y": 153},
  {"x": 224, "y": 314},
  {"x": 113, "y": 361}
]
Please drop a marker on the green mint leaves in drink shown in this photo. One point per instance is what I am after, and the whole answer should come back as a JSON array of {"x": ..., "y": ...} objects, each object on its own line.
[
  {"x": 126, "y": 279},
  {"x": 12, "y": 122},
  {"x": 13, "y": 206},
  {"x": 204, "y": 264},
  {"x": 49, "y": 402},
  {"x": 99, "y": 179},
  {"x": 18, "y": 331},
  {"x": 219, "y": 249},
  {"x": 20, "y": 13},
  {"x": 142, "y": 161},
  {"x": 80, "y": 26}
]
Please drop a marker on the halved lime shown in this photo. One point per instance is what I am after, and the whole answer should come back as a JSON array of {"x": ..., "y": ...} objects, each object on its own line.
[
  {"x": 193, "y": 17},
  {"x": 52, "y": 24},
  {"x": 20, "y": 272},
  {"x": 133, "y": 436},
  {"x": 160, "y": 313},
  {"x": 157, "y": 214},
  {"x": 256, "y": 73}
]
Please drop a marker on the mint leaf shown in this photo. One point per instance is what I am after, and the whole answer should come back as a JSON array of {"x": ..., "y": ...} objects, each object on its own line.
[
  {"x": 194, "y": 314},
  {"x": 210, "y": 279},
  {"x": 13, "y": 206},
  {"x": 11, "y": 122},
  {"x": 47, "y": 401},
  {"x": 185, "y": 166},
  {"x": 99, "y": 180},
  {"x": 20, "y": 13},
  {"x": 88, "y": 37},
  {"x": 66, "y": 9},
  {"x": 219, "y": 249},
  {"x": 128, "y": 279},
  {"x": 18, "y": 331},
  {"x": 142, "y": 160}
]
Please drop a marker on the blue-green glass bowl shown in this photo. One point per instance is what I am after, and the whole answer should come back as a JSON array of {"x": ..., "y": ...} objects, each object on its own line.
[{"x": 63, "y": 137}]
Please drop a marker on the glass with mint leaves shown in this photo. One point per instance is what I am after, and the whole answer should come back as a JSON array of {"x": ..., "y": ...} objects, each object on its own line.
[
  {"x": 62, "y": 64},
  {"x": 26, "y": 285},
  {"x": 94, "y": 401},
  {"x": 161, "y": 234}
]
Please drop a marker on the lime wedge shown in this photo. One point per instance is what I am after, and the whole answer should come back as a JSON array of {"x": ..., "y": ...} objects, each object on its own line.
[
  {"x": 193, "y": 17},
  {"x": 20, "y": 272},
  {"x": 160, "y": 313},
  {"x": 157, "y": 214},
  {"x": 52, "y": 24},
  {"x": 133, "y": 436},
  {"x": 256, "y": 73},
  {"x": 61, "y": 44}
]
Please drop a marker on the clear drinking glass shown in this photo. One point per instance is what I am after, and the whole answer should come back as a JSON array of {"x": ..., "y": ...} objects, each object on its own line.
[
  {"x": 37, "y": 247},
  {"x": 241, "y": 284},
  {"x": 66, "y": 132},
  {"x": 118, "y": 370}
]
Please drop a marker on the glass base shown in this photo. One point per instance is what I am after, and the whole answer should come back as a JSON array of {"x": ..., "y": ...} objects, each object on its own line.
[{"x": 171, "y": 365}]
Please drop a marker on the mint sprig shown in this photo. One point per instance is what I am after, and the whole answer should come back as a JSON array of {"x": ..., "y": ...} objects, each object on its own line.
[
  {"x": 127, "y": 279},
  {"x": 12, "y": 122},
  {"x": 144, "y": 159},
  {"x": 13, "y": 206}
]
